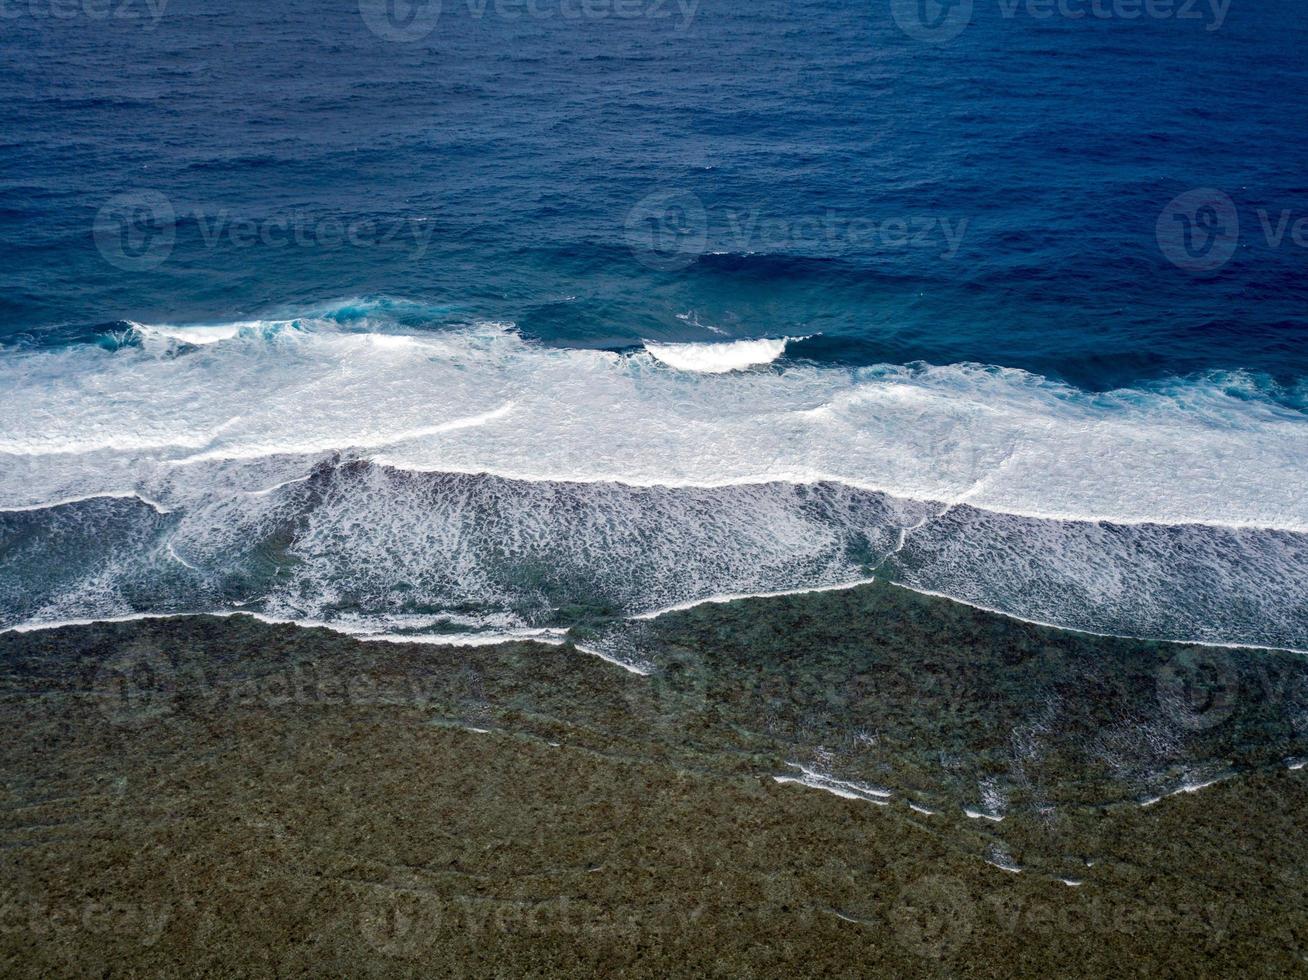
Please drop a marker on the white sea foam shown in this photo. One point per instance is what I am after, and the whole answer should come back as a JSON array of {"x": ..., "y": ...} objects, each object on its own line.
[
  {"x": 545, "y": 636},
  {"x": 1206, "y": 451},
  {"x": 719, "y": 358},
  {"x": 837, "y": 787},
  {"x": 719, "y": 599},
  {"x": 1004, "y": 866},
  {"x": 198, "y": 334},
  {"x": 484, "y": 553},
  {"x": 1191, "y": 786},
  {"x": 629, "y": 484}
]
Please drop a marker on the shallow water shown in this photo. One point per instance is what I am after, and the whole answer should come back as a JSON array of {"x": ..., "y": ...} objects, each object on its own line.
[{"x": 1025, "y": 746}]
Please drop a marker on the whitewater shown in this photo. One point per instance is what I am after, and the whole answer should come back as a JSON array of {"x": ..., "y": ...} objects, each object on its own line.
[{"x": 472, "y": 479}]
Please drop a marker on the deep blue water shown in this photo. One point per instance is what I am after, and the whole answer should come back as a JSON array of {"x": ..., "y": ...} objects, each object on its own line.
[{"x": 490, "y": 170}]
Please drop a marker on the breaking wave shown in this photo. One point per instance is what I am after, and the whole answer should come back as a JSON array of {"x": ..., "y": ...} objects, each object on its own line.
[
  {"x": 719, "y": 358},
  {"x": 358, "y": 470}
]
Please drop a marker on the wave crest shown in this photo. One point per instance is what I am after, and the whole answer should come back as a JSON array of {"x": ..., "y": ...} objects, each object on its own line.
[{"x": 719, "y": 358}]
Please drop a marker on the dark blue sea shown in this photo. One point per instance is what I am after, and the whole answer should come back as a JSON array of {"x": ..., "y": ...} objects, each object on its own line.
[{"x": 485, "y": 317}]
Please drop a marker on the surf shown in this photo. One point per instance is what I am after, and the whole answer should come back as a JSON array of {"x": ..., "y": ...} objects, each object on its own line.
[
  {"x": 719, "y": 358},
  {"x": 346, "y": 466},
  {"x": 1215, "y": 449}
]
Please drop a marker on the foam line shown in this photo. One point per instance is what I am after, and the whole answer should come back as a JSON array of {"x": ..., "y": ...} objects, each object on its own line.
[
  {"x": 154, "y": 505},
  {"x": 548, "y": 637},
  {"x": 833, "y": 790},
  {"x": 330, "y": 444},
  {"x": 630, "y": 668},
  {"x": 838, "y": 787},
  {"x": 1109, "y": 636},
  {"x": 1187, "y": 788},
  {"x": 265, "y": 491},
  {"x": 722, "y": 599}
]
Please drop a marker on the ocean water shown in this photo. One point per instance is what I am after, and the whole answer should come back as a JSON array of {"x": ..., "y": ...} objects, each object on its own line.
[{"x": 477, "y": 319}]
